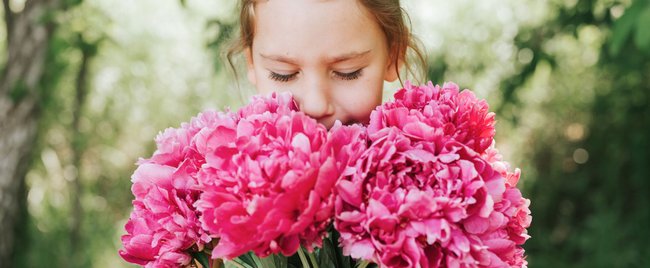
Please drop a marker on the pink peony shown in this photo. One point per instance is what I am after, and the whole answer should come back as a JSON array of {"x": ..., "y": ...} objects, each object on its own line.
[
  {"x": 513, "y": 211},
  {"x": 164, "y": 226},
  {"x": 460, "y": 115},
  {"x": 428, "y": 191},
  {"x": 406, "y": 203},
  {"x": 419, "y": 187},
  {"x": 277, "y": 103},
  {"x": 150, "y": 243},
  {"x": 268, "y": 178}
]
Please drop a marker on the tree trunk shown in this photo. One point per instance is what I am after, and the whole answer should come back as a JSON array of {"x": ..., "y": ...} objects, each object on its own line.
[
  {"x": 28, "y": 36},
  {"x": 78, "y": 146}
]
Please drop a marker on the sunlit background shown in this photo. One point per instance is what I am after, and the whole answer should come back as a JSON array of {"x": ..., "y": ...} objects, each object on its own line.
[{"x": 569, "y": 81}]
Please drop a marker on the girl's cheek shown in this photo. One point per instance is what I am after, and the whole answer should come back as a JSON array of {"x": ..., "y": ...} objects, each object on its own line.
[
  {"x": 265, "y": 86},
  {"x": 362, "y": 101}
]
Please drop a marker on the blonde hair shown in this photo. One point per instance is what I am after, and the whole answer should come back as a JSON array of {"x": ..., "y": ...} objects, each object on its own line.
[{"x": 390, "y": 16}]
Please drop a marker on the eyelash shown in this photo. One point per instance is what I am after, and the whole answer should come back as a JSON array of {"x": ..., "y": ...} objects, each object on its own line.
[
  {"x": 287, "y": 77},
  {"x": 282, "y": 77},
  {"x": 349, "y": 76}
]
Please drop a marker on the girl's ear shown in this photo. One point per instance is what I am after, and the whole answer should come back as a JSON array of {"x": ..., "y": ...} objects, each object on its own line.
[
  {"x": 250, "y": 72},
  {"x": 392, "y": 70}
]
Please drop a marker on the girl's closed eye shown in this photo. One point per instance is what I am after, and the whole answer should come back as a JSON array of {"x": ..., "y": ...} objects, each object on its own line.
[
  {"x": 341, "y": 75},
  {"x": 349, "y": 76},
  {"x": 282, "y": 77}
]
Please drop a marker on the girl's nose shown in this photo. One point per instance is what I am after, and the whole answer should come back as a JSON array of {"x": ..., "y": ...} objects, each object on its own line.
[{"x": 314, "y": 99}]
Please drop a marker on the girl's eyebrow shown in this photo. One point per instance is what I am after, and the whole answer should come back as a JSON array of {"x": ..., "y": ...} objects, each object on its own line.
[
  {"x": 348, "y": 56},
  {"x": 335, "y": 59},
  {"x": 279, "y": 58}
]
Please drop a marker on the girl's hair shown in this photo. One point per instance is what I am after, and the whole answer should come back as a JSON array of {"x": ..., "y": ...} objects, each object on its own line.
[{"x": 390, "y": 16}]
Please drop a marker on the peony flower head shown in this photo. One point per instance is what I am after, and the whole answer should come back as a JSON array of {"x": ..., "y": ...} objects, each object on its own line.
[
  {"x": 275, "y": 103},
  {"x": 430, "y": 191},
  {"x": 268, "y": 178},
  {"x": 407, "y": 202},
  {"x": 164, "y": 226},
  {"x": 458, "y": 115},
  {"x": 512, "y": 212}
]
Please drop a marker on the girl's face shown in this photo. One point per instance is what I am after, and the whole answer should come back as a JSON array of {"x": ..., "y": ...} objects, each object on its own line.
[{"x": 330, "y": 54}]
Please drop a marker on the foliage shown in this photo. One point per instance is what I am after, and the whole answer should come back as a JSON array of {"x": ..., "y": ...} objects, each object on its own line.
[
  {"x": 632, "y": 25},
  {"x": 589, "y": 153},
  {"x": 125, "y": 89},
  {"x": 329, "y": 256}
]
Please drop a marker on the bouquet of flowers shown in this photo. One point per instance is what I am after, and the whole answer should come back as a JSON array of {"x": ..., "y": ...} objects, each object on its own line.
[{"x": 422, "y": 185}]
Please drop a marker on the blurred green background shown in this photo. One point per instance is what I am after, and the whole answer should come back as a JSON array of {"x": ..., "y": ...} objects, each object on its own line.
[{"x": 568, "y": 79}]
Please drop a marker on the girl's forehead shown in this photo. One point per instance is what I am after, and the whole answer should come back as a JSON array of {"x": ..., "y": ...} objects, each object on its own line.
[
  {"x": 306, "y": 25},
  {"x": 311, "y": 13}
]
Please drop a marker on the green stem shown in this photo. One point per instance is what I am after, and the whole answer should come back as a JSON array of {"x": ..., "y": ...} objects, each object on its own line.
[
  {"x": 236, "y": 263},
  {"x": 363, "y": 264},
  {"x": 313, "y": 259},
  {"x": 303, "y": 259},
  {"x": 257, "y": 261}
]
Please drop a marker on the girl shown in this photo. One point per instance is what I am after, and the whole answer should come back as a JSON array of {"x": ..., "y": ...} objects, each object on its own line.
[{"x": 332, "y": 55}]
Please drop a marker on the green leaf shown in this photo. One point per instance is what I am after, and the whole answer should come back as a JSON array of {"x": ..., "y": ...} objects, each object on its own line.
[
  {"x": 238, "y": 263},
  {"x": 249, "y": 259},
  {"x": 642, "y": 36},
  {"x": 343, "y": 261},
  {"x": 362, "y": 264},
  {"x": 280, "y": 260},
  {"x": 202, "y": 258},
  {"x": 623, "y": 28},
  {"x": 273, "y": 261},
  {"x": 327, "y": 255},
  {"x": 266, "y": 262}
]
